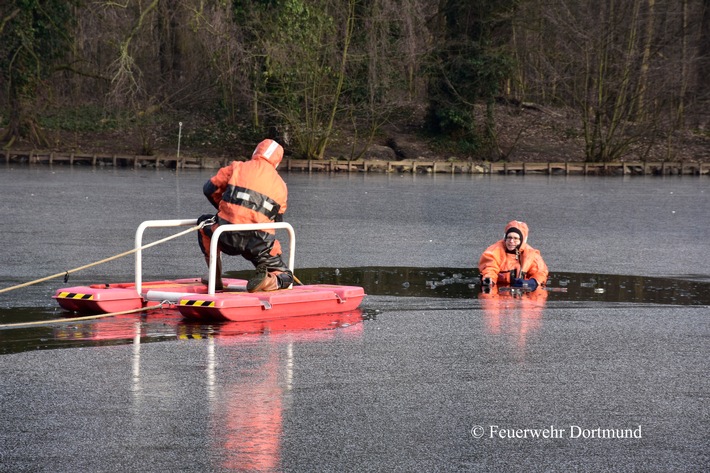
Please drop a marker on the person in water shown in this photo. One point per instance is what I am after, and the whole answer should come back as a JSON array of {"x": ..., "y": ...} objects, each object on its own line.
[
  {"x": 250, "y": 192},
  {"x": 512, "y": 262}
]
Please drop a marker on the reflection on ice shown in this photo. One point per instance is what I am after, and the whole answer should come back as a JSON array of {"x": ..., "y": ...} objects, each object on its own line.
[{"x": 513, "y": 312}]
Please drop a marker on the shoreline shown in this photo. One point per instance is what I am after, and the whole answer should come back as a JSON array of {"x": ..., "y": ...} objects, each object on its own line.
[{"x": 622, "y": 168}]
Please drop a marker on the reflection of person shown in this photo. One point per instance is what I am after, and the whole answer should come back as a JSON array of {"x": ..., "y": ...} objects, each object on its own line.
[
  {"x": 511, "y": 261},
  {"x": 513, "y": 312},
  {"x": 250, "y": 192}
]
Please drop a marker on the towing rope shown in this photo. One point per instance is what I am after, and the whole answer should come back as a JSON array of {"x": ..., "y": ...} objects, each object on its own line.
[
  {"x": 96, "y": 263},
  {"x": 81, "y": 319},
  {"x": 65, "y": 274}
]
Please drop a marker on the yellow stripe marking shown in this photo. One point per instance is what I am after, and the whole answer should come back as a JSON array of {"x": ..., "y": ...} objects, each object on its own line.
[
  {"x": 74, "y": 295},
  {"x": 188, "y": 302}
]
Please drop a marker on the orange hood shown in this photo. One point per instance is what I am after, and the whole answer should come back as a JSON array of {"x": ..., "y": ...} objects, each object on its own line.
[
  {"x": 270, "y": 151},
  {"x": 521, "y": 227}
]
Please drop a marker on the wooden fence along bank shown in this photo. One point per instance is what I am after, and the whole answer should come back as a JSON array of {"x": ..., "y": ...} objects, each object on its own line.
[{"x": 346, "y": 166}]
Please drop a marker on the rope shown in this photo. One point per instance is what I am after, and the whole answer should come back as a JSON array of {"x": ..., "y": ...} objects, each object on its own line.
[
  {"x": 106, "y": 260},
  {"x": 81, "y": 319},
  {"x": 96, "y": 263}
]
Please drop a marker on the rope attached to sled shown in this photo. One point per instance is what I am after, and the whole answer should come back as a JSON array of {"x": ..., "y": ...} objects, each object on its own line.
[
  {"x": 81, "y": 319},
  {"x": 65, "y": 274}
]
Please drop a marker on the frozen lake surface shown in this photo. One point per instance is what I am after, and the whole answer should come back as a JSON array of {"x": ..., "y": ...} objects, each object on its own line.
[{"x": 428, "y": 377}]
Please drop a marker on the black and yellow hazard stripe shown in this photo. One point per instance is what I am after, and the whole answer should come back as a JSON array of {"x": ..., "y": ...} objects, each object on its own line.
[
  {"x": 191, "y": 303},
  {"x": 75, "y": 295}
]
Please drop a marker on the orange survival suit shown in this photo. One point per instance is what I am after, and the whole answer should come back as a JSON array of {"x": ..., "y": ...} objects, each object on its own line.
[
  {"x": 250, "y": 192},
  {"x": 525, "y": 262}
]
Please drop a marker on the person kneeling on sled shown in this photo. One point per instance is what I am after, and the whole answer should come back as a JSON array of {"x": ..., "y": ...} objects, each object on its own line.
[
  {"x": 250, "y": 192},
  {"x": 512, "y": 262}
]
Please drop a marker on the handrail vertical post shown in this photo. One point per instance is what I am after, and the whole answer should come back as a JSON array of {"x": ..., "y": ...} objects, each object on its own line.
[
  {"x": 139, "y": 243},
  {"x": 243, "y": 228}
]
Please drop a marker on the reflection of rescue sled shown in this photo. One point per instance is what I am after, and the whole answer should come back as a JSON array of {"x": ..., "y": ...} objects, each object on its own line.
[
  {"x": 197, "y": 301},
  {"x": 315, "y": 325},
  {"x": 126, "y": 327}
]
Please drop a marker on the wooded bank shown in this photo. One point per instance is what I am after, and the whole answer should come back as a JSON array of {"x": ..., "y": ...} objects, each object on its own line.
[
  {"x": 621, "y": 168},
  {"x": 624, "y": 75}
]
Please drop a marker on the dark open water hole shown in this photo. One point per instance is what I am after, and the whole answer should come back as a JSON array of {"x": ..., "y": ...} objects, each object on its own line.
[{"x": 462, "y": 284}]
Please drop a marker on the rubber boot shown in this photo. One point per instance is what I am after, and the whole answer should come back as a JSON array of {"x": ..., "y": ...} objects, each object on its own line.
[{"x": 264, "y": 281}]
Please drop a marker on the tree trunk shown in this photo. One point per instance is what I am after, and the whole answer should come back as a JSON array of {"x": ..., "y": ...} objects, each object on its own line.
[
  {"x": 680, "y": 112},
  {"x": 645, "y": 63},
  {"x": 323, "y": 143},
  {"x": 22, "y": 124},
  {"x": 704, "y": 53}
]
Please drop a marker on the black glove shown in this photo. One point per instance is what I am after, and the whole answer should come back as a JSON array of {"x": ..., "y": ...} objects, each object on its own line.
[
  {"x": 527, "y": 283},
  {"x": 487, "y": 282},
  {"x": 204, "y": 217}
]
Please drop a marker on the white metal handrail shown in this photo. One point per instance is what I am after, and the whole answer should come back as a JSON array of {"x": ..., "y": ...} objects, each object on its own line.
[
  {"x": 242, "y": 227},
  {"x": 213, "y": 245},
  {"x": 139, "y": 242}
]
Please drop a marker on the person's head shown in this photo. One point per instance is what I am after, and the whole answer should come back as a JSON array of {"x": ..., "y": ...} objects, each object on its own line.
[
  {"x": 270, "y": 151},
  {"x": 516, "y": 234}
]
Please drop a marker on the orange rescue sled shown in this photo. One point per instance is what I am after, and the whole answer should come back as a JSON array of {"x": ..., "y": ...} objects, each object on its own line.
[{"x": 197, "y": 301}]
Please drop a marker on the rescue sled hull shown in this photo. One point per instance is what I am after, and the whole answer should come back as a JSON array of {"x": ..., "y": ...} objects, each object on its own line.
[
  {"x": 196, "y": 300},
  {"x": 298, "y": 301},
  {"x": 191, "y": 299}
]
